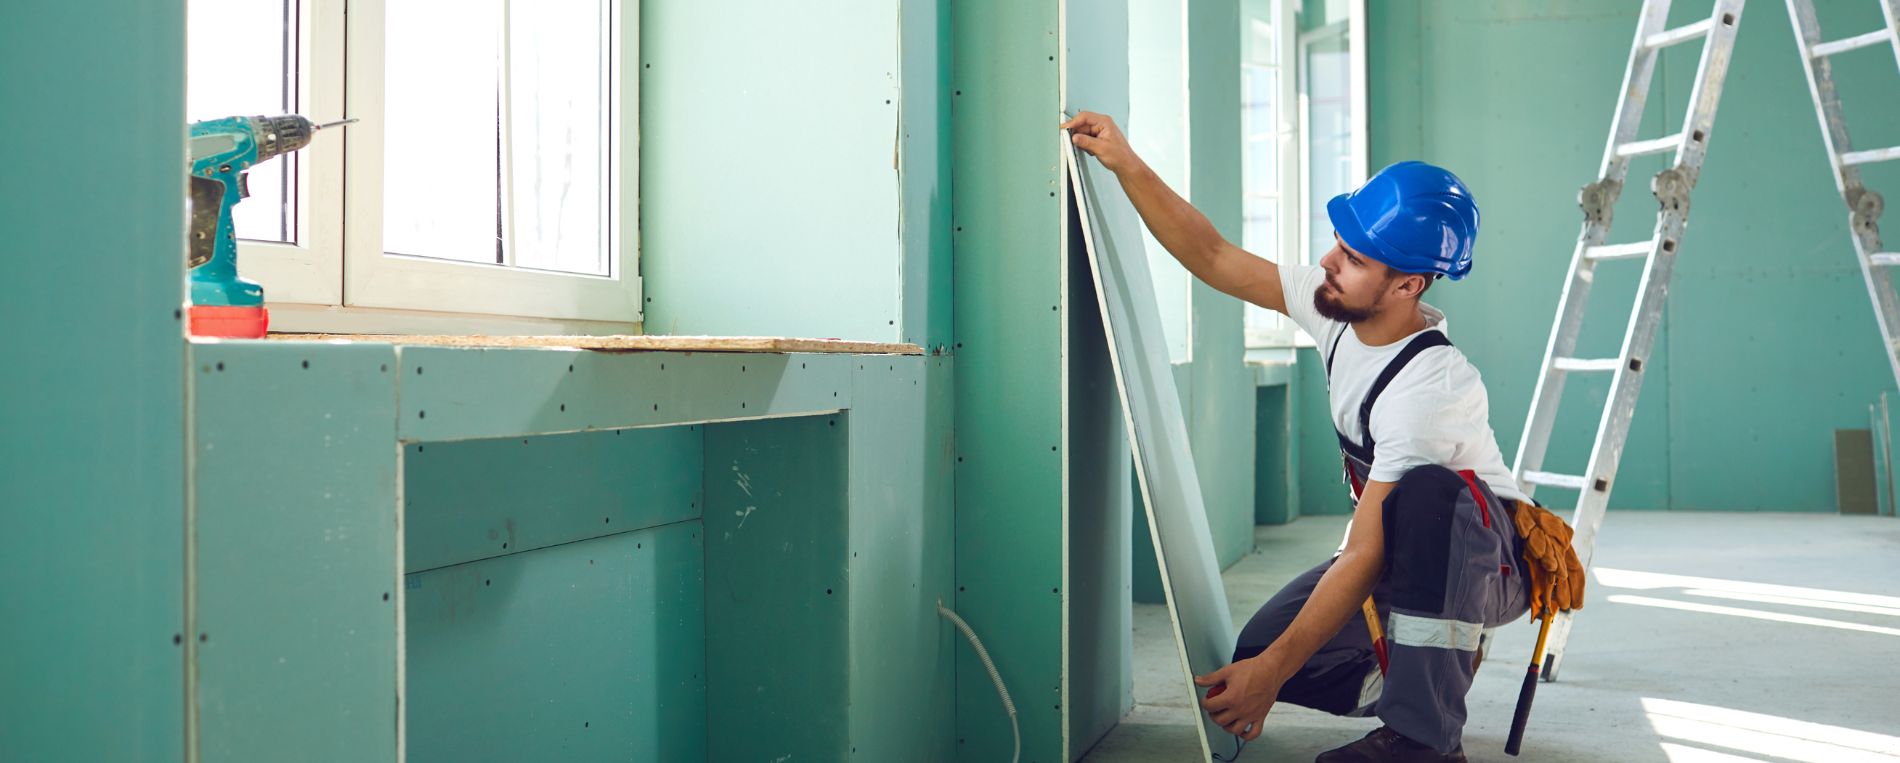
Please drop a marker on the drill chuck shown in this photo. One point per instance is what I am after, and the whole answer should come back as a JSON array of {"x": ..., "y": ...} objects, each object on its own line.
[{"x": 282, "y": 135}]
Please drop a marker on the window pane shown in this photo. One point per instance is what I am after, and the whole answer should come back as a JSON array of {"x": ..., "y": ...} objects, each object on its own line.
[
  {"x": 557, "y": 104},
  {"x": 463, "y": 122},
  {"x": 1259, "y": 228},
  {"x": 1262, "y": 320},
  {"x": 1329, "y": 158},
  {"x": 1259, "y": 126},
  {"x": 241, "y": 61},
  {"x": 1262, "y": 44},
  {"x": 441, "y": 135}
]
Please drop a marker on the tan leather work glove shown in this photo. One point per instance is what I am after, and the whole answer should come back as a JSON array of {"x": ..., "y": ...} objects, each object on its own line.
[{"x": 1556, "y": 575}]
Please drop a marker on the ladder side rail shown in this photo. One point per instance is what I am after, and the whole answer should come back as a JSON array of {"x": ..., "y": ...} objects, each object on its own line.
[
  {"x": 1534, "y": 441},
  {"x": 1880, "y": 290},
  {"x": 1863, "y": 206},
  {"x": 1827, "y": 102},
  {"x": 1598, "y": 200},
  {"x": 1631, "y": 100},
  {"x": 1672, "y": 188},
  {"x": 1618, "y": 412},
  {"x": 1625, "y": 387},
  {"x": 1890, "y": 9}
]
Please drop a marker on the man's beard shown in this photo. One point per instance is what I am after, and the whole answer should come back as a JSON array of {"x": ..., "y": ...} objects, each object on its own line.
[{"x": 1332, "y": 309}]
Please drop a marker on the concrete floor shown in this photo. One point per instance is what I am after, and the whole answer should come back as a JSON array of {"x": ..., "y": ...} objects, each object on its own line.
[{"x": 1729, "y": 667}]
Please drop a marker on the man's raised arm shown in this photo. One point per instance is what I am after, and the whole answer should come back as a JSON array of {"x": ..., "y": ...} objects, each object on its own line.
[{"x": 1182, "y": 229}]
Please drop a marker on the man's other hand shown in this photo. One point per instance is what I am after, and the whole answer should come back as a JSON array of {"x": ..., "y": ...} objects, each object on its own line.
[{"x": 1243, "y": 694}]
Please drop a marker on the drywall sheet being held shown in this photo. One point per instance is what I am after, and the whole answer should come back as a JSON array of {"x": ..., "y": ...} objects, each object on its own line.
[{"x": 1164, "y": 469}]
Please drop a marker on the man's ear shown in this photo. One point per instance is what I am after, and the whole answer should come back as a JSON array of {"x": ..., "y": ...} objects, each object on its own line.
[{"x": 1412, "y": 284}]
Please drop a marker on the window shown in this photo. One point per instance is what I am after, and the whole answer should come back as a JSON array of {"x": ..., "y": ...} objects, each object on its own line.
[
  {"x": 1269, "y": 167},
  {"x": 489, "y": 186},
  {"x": 1292, "y": 170},
  {"x": 269, "y": 57}
]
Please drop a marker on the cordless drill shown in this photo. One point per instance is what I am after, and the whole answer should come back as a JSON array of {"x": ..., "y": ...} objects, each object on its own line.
[{"x": 222, "y": 151}]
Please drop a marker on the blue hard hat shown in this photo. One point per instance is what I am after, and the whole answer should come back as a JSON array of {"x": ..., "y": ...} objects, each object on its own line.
[{"x": 1412, "y": 216}]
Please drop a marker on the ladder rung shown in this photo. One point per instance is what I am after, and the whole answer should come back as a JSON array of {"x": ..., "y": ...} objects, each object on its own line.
[
  {"x": 1586, "y": 364},
  {"x": 1618, "y": 251},
  {"x": 1884, "y": 259},
  {"x": 1657, "y": 146},
  {"x": 1875, "y": 37},
  {"x": 1687, "y": 32},
  {"x": 1870, "y": 156},
  {"x": 1552, "y": 479}
]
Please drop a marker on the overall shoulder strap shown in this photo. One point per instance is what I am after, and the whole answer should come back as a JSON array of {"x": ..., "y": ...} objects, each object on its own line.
[
  {"x": 1420, "y": 343},
  {"x": 1343, "y": 328}
]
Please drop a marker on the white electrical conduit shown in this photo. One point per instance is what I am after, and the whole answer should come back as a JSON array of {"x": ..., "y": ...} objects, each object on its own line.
[{"x": 984, "y": 655}]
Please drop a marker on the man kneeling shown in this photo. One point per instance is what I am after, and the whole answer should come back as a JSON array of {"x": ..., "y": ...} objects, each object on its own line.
[{"x": 1434, "y": 539}]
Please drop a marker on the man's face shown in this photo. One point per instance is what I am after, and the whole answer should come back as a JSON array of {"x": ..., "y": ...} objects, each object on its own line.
[{"x": 1357, "y": 288}]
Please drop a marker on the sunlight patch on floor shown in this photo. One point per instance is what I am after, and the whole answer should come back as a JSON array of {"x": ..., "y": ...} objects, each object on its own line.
[
  {"x": 1634, "y": 579},
  {"x": 1757, "y": 614},
  {"x": 1770, "y": 735}
]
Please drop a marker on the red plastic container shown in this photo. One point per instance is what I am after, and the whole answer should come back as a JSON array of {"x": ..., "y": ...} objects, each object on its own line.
[{"x": 229, "y": 322}]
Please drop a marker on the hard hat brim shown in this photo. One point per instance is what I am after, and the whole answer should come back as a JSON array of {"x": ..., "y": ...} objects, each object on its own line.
[{"x": 1353, "y": 233}]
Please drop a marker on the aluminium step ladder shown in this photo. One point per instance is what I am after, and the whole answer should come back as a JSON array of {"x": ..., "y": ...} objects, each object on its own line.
[{"x": 1672, "y": 188}]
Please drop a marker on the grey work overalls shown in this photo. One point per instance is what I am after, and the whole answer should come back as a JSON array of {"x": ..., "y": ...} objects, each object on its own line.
[{"x": 1452, "y": 568}]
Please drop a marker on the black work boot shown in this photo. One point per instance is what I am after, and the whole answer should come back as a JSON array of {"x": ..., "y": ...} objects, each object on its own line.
[{"x": 1384, "y": 745}]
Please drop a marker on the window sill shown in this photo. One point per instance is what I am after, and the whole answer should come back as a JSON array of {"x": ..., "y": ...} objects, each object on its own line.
[
  {"x": 1271, "y": 367},
  {"x": 623, "y": 343},
  {"x": 293, "y": 318}
]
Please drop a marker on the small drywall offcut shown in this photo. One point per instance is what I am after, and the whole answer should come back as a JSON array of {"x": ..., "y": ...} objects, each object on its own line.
[{"x": 1157, "y": 432}]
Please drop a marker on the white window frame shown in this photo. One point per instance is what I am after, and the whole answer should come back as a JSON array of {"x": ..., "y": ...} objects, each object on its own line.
[
  {"x": 337, "y": 278},
  {"x": 1352, "y": 28},
  {"x": 311, "y": 269},
  {"x": 1285, "y": 22}
]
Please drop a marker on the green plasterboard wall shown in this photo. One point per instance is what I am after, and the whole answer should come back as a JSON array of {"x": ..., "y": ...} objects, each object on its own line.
[
  {"x": 1102, "y": 501},
  {"x": 1767, "y": 344},
  {"x": 900, "y": 531},
  {"x": 805, "y": 263},
  {"x": 477, "y": 499},
  {"x": 1217, "y": 395},
  {"x": 592, "y": 650},
  {"x": 777, "y": 645},
  {"x": 555, "y": 596},
  {"x": 92, "y": 475},
  {"x": 1007, "y": 222},
  {"x": 294, "y": 472},
  {"x": 857, "y": 503},
  {"x": 1098, "y": 41},
  {"x": 845, "y": 195},
  {"x": 1320, "y": 488},
  {"x": 924, "y": 171},
  {"x": 1275, "y": 496},
  {"x": 1221, "y": 394}
]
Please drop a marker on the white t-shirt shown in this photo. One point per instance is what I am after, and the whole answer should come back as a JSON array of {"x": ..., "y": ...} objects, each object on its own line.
[{"x": 1435, "y": 411}]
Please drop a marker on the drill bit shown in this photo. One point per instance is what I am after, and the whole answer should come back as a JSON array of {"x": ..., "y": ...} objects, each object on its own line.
[{"x": 336, "y": 123}]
